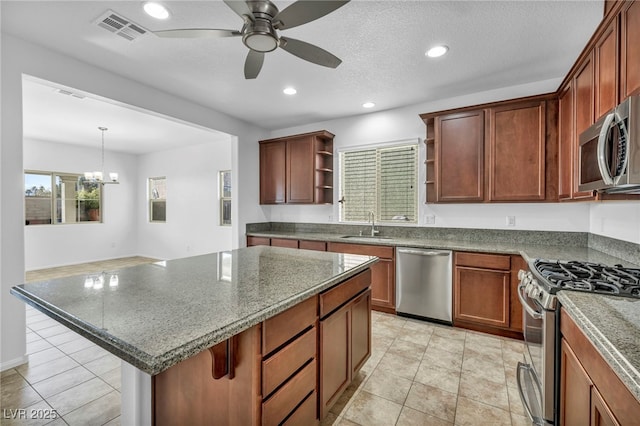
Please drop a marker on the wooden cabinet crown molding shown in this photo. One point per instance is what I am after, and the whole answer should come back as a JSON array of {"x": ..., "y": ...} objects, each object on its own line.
[{"x": 319, "y": 133}]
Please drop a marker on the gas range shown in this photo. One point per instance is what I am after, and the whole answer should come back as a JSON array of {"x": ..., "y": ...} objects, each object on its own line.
[{"x": 547, "y": 277}]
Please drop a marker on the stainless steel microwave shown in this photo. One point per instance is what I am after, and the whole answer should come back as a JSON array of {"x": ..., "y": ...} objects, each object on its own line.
[{"x": 609, "y": 151}]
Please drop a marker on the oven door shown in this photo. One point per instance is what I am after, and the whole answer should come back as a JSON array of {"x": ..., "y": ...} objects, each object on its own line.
[{"x": 536, "y": 375}]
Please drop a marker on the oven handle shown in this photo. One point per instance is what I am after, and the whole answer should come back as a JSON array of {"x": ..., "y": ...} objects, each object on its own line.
[
  {"x": 527, "y": 368},
  {"x": 535, "y": 314}
]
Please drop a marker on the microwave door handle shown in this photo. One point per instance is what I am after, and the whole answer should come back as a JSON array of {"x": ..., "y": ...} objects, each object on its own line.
[
  {"x": 602, "y": 140},
  {"x": 534, "y": 314}
]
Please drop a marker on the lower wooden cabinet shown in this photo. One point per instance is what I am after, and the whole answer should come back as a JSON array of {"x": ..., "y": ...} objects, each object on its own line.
[
  {"x": 345, "y": 345},
  {"x": 287, "y": 370},
  {"x": 590, "y": 391},
  {"x": 383, "y": 273},
  {"x": 485, "y": 293}
]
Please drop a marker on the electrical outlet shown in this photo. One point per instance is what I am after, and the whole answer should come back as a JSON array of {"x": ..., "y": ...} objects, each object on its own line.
[
  {"x": 330, "y": 218},
  {"x": 511, "y": 221},
  {"x": 430, "y": 219},
  {"x": 113, "y": 245}
]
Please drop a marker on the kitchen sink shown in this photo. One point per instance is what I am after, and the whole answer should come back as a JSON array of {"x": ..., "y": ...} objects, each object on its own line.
[{"x": 365, "y": 237}]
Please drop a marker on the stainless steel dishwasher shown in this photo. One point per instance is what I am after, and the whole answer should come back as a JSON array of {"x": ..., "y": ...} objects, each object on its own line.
[{"x": 424, "y": 284}]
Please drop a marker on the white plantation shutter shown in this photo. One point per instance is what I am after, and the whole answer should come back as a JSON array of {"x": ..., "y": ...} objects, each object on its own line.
[
  {"x": 359, "y": 192},
  {"x": 398, "y": 176},
  {"x": 383, "y": 181}
]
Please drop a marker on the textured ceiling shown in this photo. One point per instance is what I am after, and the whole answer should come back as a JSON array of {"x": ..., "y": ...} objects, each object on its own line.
[{"x": 492, "y": 44}]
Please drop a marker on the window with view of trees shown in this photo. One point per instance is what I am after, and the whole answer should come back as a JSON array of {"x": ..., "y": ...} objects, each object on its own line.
[
  {"x": 158, "y": 199},
  {"x": 225, "y": 198},
  {"x": 60, "y": 198},
  {"x": 379, "y": 180}
]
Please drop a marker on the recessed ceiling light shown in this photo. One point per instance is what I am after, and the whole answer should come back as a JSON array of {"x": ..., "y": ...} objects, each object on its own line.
[
  {"x": 368, "y": 105},
  {"x": 289, "y": 91},
  {"x": 156, "y": 10},
  {"x": 437, "y": 51}
]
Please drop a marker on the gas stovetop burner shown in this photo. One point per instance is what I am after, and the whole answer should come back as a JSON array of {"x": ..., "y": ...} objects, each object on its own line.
[{"x": 589, "y": 277}]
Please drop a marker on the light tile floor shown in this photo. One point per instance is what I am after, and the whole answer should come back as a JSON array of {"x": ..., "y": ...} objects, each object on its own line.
[{"x": 418, "y": 374}]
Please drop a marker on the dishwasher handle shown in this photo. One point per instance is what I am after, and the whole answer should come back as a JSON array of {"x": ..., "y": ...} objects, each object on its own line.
[{"x": 424, "y": 252}]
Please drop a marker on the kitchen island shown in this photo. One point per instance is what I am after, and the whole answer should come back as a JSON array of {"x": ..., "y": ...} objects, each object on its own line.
[{"x": 228, "y": 306}]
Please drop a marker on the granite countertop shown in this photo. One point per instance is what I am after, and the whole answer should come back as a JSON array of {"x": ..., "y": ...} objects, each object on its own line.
[
  {"x": 612, "y": 324},
  {"x": 528, "y": 251},
  {"x": 156, "y": 315}
]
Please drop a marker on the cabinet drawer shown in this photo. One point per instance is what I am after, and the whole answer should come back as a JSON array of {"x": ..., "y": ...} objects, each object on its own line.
[
  {"x": 365, "y": 249},
  {"x": 313, "y": 245},
  {"x": 279, "y": 367},
  {"x": 257, "y": 241},
  {"x": 484, "y": 261},
  {"x": 335, "y": 297},
  {"x": 283, "y": 327},
  {"x": 284, "y": 242},
  {"x": 306, "y": 414},
  {"x": 285, "y": 400}
]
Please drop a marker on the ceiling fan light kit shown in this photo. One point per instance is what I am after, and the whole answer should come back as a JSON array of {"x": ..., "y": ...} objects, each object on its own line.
[{"x": 262, "y": 20}]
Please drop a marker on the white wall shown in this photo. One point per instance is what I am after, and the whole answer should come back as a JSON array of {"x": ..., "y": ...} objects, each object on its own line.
[
  {"x": 405, "y": 123},
  {"x": 193, "y": 207},
  {"x": 19, "y": 57},
  {"x": 616, "y": 219}
]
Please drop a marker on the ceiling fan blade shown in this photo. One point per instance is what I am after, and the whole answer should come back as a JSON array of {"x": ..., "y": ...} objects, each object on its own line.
[
  {"x": 309, "y": 52},
  {"x": 241, "y": 8},
  {"x": 253, "y": 64},
  {"x": 197, "y": 33},
  {"x": 304, "y": 11}
]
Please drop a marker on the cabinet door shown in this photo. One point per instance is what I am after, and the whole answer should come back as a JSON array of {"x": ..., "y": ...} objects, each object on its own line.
[
  {"x": 515, "y": 322},
  {"x": 606, "y": 78},
  {"x": 481, "y": 296},
  {"x": 272, "y": 172},
  {"x": 601, "y": 414},
  {"x": 517, "y": 152},
  {"x": 383, "y": 284},
  {"x": 565, "y": 143},
  {"x": 575, "y": 389},
  {"x": 360, "y": 331},
  {"x": 257, "y": 241},
  {"x": 335, "y": 357},
  {"x": 460, "y": 157},
  {"x": 584, "y": 110},
  {"x": 300, "y": 170},
  {"x": 630, "y": 50},
  {"x": 284, "y": 242}
]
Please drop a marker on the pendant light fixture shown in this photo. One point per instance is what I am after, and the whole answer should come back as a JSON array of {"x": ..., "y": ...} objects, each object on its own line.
[{"x": 99, "y": 176}]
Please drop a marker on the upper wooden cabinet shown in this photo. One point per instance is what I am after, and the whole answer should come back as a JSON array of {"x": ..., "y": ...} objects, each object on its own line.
[
  {"x": 297, "y": 169},
  {"x": 606, "y": 70},
  {"x": 630, "y": 50},
  {"x": 517, "y": 142},
  {"x": 459, "y": 149},
  {"x": 493, "y": 152},
  {"x": 565, "y": 143}
]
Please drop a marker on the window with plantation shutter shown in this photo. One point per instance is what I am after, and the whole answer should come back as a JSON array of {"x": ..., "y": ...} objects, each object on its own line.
[{"x": 379, "y": 180}]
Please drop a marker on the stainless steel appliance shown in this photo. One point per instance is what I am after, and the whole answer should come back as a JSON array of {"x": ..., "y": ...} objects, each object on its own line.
[
  {"x": 424, "y": 284},
  {"x": 610, "y": 151},
  {"x": 538, "y": 375}
]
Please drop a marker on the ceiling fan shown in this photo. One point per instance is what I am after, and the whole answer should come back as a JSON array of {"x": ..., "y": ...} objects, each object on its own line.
[{"x": 259, "y": 33}]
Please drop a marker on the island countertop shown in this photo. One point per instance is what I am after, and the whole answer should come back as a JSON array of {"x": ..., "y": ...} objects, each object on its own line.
[{"x": 156, "y": 315}]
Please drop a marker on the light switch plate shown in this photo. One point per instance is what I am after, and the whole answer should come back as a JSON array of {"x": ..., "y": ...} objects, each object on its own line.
[
  {"x": 430, "y": 219},
  {"x": 511, "y": 221}
]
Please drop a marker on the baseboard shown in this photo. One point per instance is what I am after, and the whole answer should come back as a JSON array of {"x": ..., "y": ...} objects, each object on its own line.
[{"x": 14, "y": 363}]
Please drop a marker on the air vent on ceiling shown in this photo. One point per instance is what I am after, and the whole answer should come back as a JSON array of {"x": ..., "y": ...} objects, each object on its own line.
[
  {"x": 120, "y": 25},
  {"x": 68, "y": 93}
]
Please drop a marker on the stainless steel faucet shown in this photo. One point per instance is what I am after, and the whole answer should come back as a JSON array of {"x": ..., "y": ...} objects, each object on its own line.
[{"x": 372, "y": 216}]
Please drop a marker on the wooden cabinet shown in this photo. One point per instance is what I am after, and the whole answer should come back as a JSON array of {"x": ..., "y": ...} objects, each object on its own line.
[
  {"x": 485, "y": 293},
  {"x": 297, "y": 169},
  {"x": 482, "y": 289},
  {"x": 584, "y": 113},
  {"x": 257, "y": 241},
  {"x": 284, "y": 242},
  {"x": 590, "y": 391},
  {"x": 606, "y": 70},
  {"x": 630, "y": 50},
  {"x": 566, "y": 143},
  {"x": 575, "y": 389},
  {"x": 493, "y": 152},
  {"x": 459, "y": 149},
  {"x": 383, "y": 288},
  {"x": 517, "y": 140},
  {"x": 345, "y": 345},
  {"x": 312, "y": 245}
]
